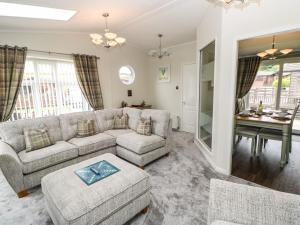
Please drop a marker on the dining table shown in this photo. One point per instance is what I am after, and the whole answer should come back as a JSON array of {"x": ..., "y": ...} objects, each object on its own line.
[{"x": 269, "y": 122}]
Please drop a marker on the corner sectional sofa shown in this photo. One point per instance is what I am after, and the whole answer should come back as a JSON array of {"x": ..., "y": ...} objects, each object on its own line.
[{"x": 24, "y": 170}]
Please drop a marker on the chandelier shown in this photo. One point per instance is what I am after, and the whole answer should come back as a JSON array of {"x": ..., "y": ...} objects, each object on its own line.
[
  {"x": 160, "y": 52},
  {"x": 232, "y": 1},
  {"x": 274, "y": 53},
  {"x": 108, "y": 39}
]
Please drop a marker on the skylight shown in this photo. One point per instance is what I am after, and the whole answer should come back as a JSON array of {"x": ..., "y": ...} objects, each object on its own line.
[{"x": 36, "y": 12}]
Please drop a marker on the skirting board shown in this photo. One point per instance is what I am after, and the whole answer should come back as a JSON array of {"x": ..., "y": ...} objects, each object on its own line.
[{"x": 208, "y": 156}]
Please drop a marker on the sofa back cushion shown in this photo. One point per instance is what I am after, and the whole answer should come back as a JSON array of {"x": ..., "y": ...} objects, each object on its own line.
[
  {"x": 160, "y": 121},
  {"x": 134, "y": 117},
  {"x": 105, "y": 118},
  {"x": 12, "y": 132},
  {"x": 69, "y": 123}
]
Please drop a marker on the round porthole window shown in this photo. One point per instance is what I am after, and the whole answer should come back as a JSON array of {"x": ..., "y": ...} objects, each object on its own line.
[{"x": 126, "y": 75}]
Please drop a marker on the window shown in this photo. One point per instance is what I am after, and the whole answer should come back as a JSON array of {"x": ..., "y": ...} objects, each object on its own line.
[
  {"x": 265, "y": 86},
  {"x": 277, "y": 85},
  {"x": 126, "y": 75},
  {"x": 49, "y": 87}
]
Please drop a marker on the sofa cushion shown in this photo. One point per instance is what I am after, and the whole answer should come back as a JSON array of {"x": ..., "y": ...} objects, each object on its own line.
[
  {"x": 36, "y": 138},
  {"x": 69, "y": 122},
  {"x": 93, "y": 143},
  {"x": 118, "y": 132},
  {"x": 134, "y": 116},
  {"x": 86, "y": 128},
  {"x": 140, "y": 144},
  {"x": 160, "y": 121},
  {"x": 221, "y": 222},
  {"x": 42, "y": 158},
  {"x": 105, "y": 118},
  {"x": 144, "y": 126},
  {"x": 121, "y": 122},
  {"x": 12, "y": 132}
]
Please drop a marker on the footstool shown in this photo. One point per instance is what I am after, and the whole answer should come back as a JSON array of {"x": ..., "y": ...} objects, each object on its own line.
[{"x": 111, "y": 201}]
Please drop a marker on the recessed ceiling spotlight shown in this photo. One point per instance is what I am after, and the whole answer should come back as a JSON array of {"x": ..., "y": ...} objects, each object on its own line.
[{"x": 36, "y": 12}]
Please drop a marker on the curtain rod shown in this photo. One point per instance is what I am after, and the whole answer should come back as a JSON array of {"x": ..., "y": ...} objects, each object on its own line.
[{"x": 57, "y": 53}]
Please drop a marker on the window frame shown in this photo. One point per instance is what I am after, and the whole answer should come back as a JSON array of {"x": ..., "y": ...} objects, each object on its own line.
[{"x": 56, "y": 97}]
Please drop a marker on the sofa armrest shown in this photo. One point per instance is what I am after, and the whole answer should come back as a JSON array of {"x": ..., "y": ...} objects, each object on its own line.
[
  {"x": 250, "y": 205},
  {"x": 11, "y": 167}
]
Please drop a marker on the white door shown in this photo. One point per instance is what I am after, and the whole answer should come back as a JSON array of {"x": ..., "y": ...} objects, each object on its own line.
[{"x": 189, "y": 92}]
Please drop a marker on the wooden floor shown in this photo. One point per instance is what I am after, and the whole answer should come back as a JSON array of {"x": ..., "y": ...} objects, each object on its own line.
[{"x": 265, "y": 170}]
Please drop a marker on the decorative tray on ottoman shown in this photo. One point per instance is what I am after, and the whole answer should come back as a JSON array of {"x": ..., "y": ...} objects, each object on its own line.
[{"x": 96, "y": 172}]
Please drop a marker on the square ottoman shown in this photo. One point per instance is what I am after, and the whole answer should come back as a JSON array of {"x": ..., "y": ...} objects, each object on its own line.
[{"x": 112, "y": 201}]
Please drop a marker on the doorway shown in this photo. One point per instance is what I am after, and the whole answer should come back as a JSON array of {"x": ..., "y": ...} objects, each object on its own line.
[
  {"x": 259, "y": 142},
  {"x": 189, "y": 98}
]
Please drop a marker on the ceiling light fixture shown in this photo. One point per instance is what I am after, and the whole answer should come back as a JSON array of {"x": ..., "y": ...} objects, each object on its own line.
[
  {"x": 35, "y": 12},
  {"x": 274, "y": 53},
  {"x": 108, "y": 39},
  {"x": 232, "y": 1},
  {"x": 160, "y": 52}
]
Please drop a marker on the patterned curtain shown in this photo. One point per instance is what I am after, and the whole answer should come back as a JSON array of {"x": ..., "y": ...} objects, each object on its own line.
[
  {"x": 12, "y": 63},
  {"x": 89, "y": 81},
  {"x": 247, "y": 70}
]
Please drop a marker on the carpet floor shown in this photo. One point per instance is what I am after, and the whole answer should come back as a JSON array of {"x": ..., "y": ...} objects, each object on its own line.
[{"x": 179, "y": 195}]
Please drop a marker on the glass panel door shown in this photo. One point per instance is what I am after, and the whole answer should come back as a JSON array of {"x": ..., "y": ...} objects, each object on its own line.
[
  {"x": 290, "y": 90},
  {"x": 207, "y": 62}
]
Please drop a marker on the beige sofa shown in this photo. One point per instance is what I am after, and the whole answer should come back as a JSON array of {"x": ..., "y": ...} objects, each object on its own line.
[
  {"x": 239, "y": 204},
  {"x": 24, "y": 170}
]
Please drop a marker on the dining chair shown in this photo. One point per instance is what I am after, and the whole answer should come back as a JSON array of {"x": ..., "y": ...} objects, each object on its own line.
[
  {"x": 266, "y": 134},
  {"x": 241, "y": 107},
  {"x": 249, "y": 132}
]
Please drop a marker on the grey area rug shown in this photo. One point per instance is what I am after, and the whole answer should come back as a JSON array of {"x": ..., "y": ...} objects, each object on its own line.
[{"x": 180, "y": 189}]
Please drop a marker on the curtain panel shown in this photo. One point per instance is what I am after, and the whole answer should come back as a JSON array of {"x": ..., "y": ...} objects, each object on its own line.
[
  {"x": 12, "y": 63},
  {"x": 247, "y": 70},
  {"x": 88, "y": 79}
]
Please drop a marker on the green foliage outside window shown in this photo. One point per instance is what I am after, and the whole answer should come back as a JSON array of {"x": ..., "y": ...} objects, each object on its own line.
[
  {"x": 268, "y": 68},
  {"x": 286, "y": 82}
]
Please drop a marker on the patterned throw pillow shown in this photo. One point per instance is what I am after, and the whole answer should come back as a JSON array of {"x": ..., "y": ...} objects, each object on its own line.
[
  {"x": 36, "y": 138},
  {"x": 121, "y": 122},
  {"x": 144, "y": 126},
  {"x": 86, "y": 128}
]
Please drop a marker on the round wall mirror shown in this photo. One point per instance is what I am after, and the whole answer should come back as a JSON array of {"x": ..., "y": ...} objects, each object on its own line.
[{"x": 126, "y": 75}]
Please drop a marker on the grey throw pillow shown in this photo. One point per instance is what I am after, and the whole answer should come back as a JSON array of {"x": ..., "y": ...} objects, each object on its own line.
[
  {"x": 36, "y": 138},
  {"x": 121, "y": 122},
  {"x": 86, "y": 128},
  {"x": 144, "y": 126}
]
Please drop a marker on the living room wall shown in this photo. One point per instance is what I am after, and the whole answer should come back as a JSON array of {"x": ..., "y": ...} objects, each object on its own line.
[
  {"x": 114, "y": 91},
  {"x": 230, "y": 25},
  {"x": 165, "y": 95}
]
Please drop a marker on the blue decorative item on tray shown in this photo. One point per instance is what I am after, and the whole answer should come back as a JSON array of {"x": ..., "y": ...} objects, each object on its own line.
[{"x": 96, "y": 172}]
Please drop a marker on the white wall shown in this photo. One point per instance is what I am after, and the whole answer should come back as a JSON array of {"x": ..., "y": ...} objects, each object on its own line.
[
  {"x": 110, "y": 61},
  {"x": 165, "y": 95},
  {"x": 210, "y": 30},
  {"x": 268, "y": 16}
]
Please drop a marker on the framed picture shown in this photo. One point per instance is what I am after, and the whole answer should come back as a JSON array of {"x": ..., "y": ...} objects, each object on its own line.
[{"x": 164, "y": 73}]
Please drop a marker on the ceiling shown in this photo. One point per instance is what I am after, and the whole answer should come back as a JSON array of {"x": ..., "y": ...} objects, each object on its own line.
[
  {"x": 282, "y": 41},
  {"x": 137, "y": 20}
]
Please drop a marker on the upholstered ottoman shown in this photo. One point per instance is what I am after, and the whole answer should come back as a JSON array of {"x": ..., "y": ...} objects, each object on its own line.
[{"x": 111, "y": 201}]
